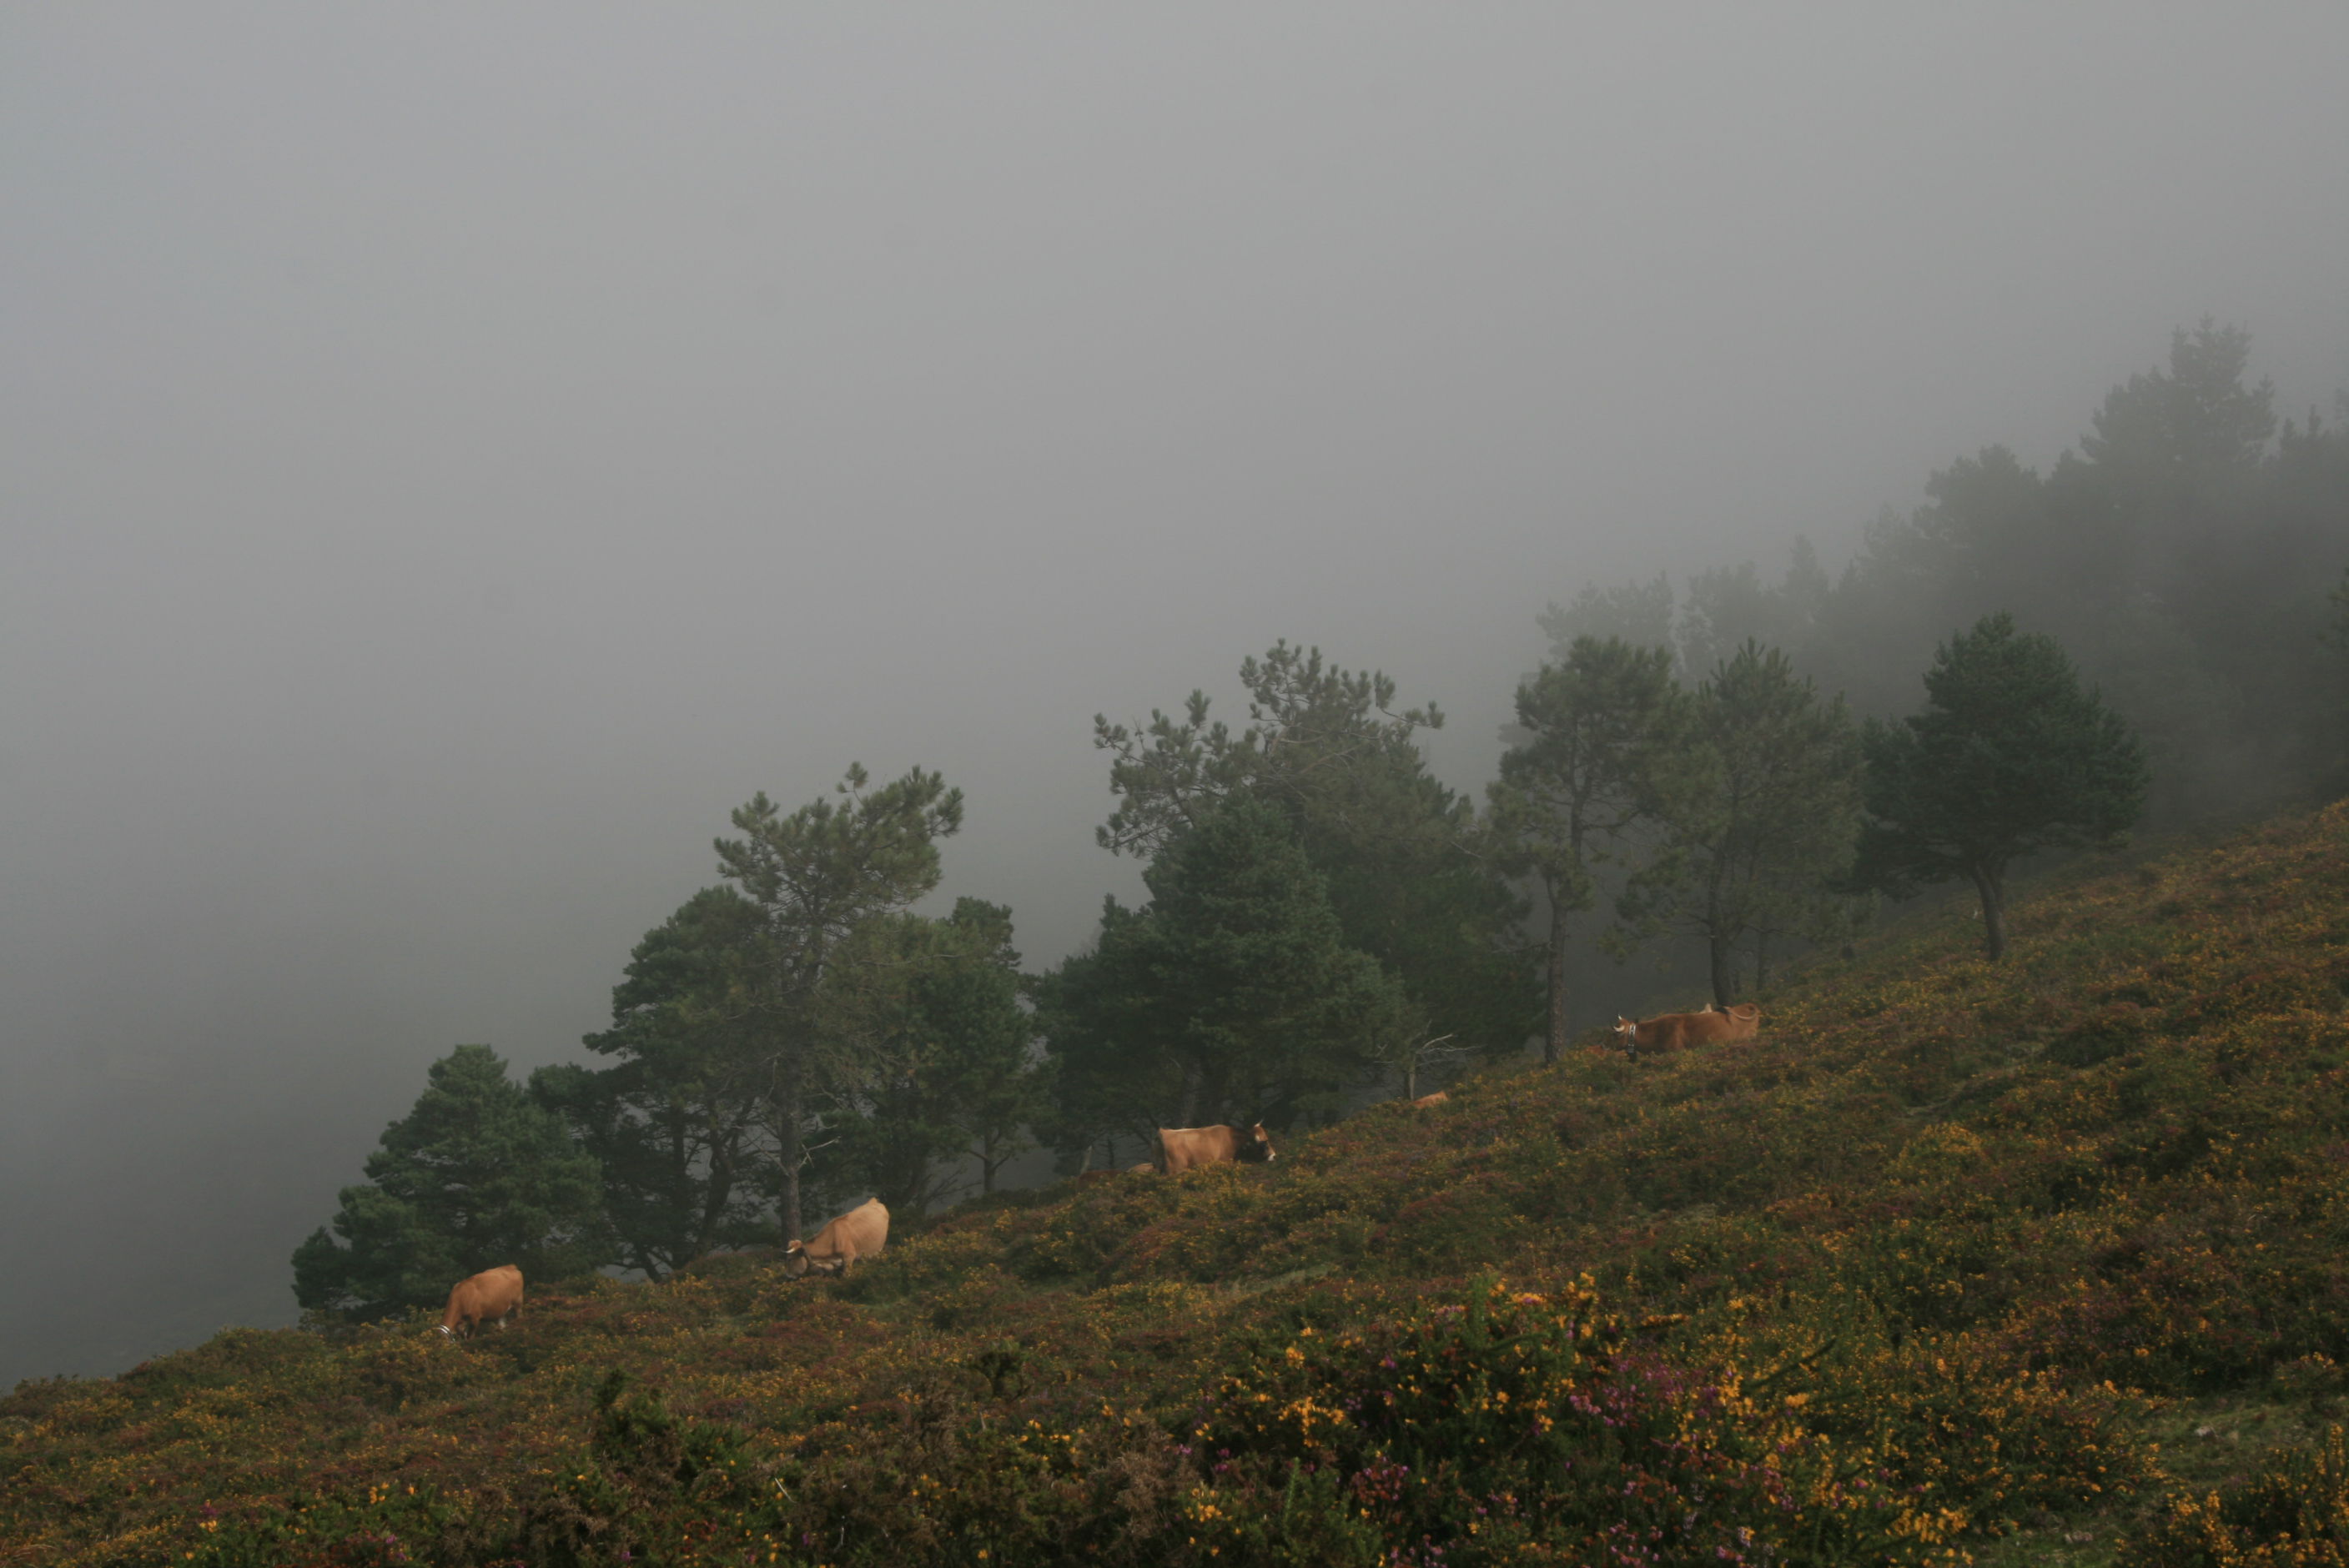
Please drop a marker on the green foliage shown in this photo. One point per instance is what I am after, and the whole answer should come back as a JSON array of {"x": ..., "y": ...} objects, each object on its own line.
[
  {"x": 2008, "y": 758},
  {"x": 1232, "y": 996},
  {"x": 676, "y": 1124},
  {"x": 931, "y": 1011},
  {"x": 1395, "y": 848},
  {"x": 2293, "y": 1513},
  {"x": 2180, "y": 443},
  {"x": 814, "y": 878},
  {"x": 473, "y": 1177},
  {"x": 1607, "y": 748},
  {"x": 2181, "y": 555},
  {"x": 1748, "y": 853}
]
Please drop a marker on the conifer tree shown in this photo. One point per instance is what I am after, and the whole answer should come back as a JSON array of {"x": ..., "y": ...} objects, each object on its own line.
[
  {"x": 929, "y": 1013},
  {"x": 473, "y": 1177},
  {"x": 1605, "y": 748},
  {"x": 2009, "y": 757},
  {"x": 676, "y": 1122},
  {"x": 1327, "y": 748},
  {"x": 1771, "y": 818},
  {"x": 814, "y": 877},
  {"x": 1232, "y": 995}
]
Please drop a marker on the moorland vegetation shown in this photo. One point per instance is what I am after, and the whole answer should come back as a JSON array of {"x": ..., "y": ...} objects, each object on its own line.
[
  {"x": 2038, "y": 1261},
  {"x": 1934, "y": 1270}
]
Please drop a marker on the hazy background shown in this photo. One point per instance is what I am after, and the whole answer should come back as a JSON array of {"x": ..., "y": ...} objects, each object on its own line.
[{"x": 450, "y": 458}]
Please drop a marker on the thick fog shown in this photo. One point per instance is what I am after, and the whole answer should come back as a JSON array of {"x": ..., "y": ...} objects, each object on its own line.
[{"x": 451, "y": 457}]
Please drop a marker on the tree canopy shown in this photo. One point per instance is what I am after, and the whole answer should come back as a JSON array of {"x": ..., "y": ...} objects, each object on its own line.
[
  {"x": 473, "y": 1177},
  {"x": 1768, "y": 819},
  {"x": 1398, "y": 850},
  {"x": 2009, "y": 757},
  {"x": 929, "y": 1012},
  {"x": 813, "y": 878},
  {"x": 677, "y": 1123},
  {"x": 1605, "y": 743},
  {"x": 1232, "y": 996}
]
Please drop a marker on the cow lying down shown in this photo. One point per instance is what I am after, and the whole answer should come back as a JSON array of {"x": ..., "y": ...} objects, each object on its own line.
[
  {"x": 861, "y": 1232},
  {"x": 1670, "y": 1031},
  {"x": 1182, "y": 1148},
  {"x": 493, "y": 1295}
]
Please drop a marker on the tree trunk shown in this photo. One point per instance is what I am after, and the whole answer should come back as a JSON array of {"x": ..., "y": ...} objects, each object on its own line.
[
  {"x": 1411, "y": 1079},
  {"x": 1554, "y": 1042},
  {"x": 1719, "y": 933},
  {"x": 787, "y": 1132},
  {"x": 1761, "y": 964},
  {"x": 1990, "y": 884}
]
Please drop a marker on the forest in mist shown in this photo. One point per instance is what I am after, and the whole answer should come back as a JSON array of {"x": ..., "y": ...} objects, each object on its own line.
[{"x": 1327, "y": 922}]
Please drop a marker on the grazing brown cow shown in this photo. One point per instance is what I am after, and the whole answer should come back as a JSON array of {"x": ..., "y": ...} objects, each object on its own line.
[
  {"x": 1430, "y": 1102},
  {"x": 861, "y": 1232},
  {"x": 1670, "y": 1031},
  {"x": 1182, "y": 1148},
  {"x": 491, "y": 1295}
]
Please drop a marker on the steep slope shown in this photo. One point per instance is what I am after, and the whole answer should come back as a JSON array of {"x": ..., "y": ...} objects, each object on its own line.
[{"x": 1957, "y": 1263}]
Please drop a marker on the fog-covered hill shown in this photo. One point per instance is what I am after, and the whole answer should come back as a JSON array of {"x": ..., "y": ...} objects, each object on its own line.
[{"x": 2029, "y": 1262}]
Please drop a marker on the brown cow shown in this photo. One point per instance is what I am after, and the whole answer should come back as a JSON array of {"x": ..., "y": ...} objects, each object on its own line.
[
  {"x": 1182, "y": 1148},
  {"x": 1144, "y": 1168},
  {"x": 1430, "y": 1102},
  {"x": 493, "y": 1294},
  {"x": 1670, "y": 1031},
  {"x": 861, "y": 1232}
]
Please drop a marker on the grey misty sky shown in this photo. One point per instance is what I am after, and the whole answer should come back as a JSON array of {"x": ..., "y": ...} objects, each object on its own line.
[{"x": 450, "y": 455}]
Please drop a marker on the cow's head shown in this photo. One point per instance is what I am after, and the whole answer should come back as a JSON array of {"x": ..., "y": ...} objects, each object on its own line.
[
  {"x": 1255, "y": 1144},
  {"x": 797, "y": 1264},
  {"x": 1627, "y": 1032}
]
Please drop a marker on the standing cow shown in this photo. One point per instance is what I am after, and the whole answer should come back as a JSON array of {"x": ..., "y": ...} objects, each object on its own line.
[
  {"x": 1182, "y": 1148},
  {"x": 861, "y": 1232},
  {"x": 1670, "y": 1031},
  {"x": 491, "y": 1294}
]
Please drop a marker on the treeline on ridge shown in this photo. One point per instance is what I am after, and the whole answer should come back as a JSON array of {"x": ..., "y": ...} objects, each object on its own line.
[{"x": 1326, "y": 919}]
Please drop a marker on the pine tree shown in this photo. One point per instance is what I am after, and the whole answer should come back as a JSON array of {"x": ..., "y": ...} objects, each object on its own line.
[
  {"x": 1327, "y": 748},
  {"x": 1605, "y": 747},
  {"x": 929, "y": 1011},
  {"x": 1232, "y": 996},
  {"x": 815, "y": 877},
  {"x": 473, "y": 1177},
  {"x": 1748, "y": 853},
  {"x": 676, "y": 1123},
  {"x": 2010, "y": 757}
]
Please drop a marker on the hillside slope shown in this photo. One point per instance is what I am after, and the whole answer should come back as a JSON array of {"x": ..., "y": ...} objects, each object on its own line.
[{"x": 1956, "y": 1264}]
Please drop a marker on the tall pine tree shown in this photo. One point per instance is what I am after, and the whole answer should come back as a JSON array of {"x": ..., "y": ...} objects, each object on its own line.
[
  {"x": 1605, "y": 747},
  {"x": 2009, "y": 757}
]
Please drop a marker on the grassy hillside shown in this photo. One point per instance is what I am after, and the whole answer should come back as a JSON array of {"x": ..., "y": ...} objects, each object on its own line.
[{"x": 2041, "y": 1263}]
